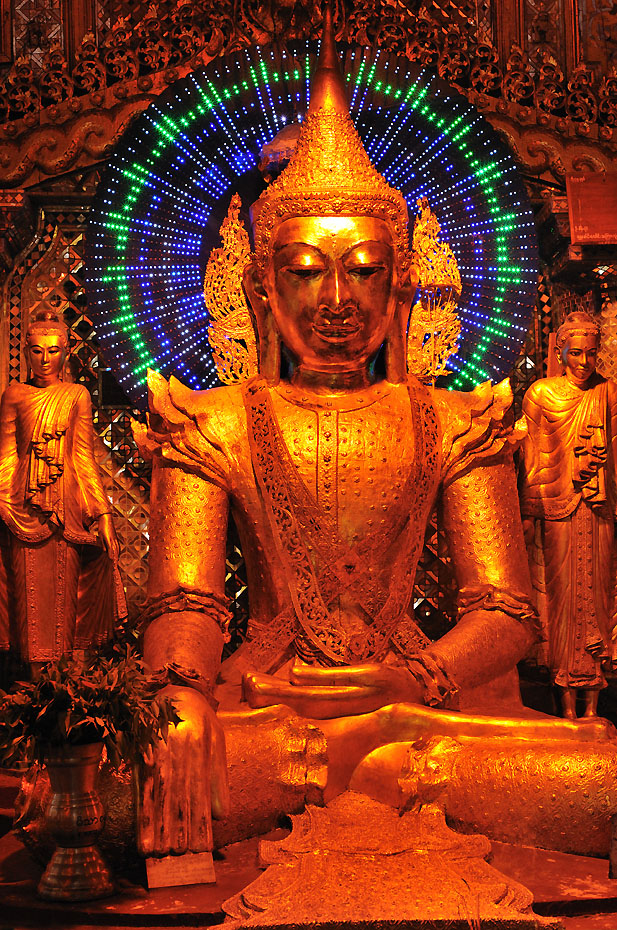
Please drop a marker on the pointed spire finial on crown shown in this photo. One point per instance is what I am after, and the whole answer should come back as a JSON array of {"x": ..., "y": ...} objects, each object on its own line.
[{"x": 327, "y": 87}]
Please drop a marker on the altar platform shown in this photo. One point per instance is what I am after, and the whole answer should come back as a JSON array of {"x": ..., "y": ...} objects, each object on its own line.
[{"x": 575, "y": 890}]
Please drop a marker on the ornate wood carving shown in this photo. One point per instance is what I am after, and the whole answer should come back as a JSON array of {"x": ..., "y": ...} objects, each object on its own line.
[{"x": 57, "y": 114}]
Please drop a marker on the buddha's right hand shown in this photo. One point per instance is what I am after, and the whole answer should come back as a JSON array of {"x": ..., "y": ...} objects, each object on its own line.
[{"x": 183, "y": 783}]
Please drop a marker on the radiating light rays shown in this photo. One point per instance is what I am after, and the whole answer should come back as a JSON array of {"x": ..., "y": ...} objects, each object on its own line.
[{"x": 167, "y": 187}]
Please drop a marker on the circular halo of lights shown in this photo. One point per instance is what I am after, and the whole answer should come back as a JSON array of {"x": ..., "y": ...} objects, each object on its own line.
[{"x": 167, "y": 187}]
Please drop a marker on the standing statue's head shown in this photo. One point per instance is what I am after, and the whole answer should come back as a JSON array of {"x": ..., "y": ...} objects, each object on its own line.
[
  {"x": 577, "y": 345},
  {"x": 332, "y": 275},
  {"x": 46, "y": 348}
]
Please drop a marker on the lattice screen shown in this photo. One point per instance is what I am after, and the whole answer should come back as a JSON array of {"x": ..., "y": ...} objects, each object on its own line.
[
  {"x": 36, "y": 25},
  {"x": 607, "y": 361},
  {"x": 531, "y": 363}
]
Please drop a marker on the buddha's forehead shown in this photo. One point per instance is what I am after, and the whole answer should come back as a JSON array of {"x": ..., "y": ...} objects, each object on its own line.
[
  {"x": 328, "y": 233},
  {"x": 45, "y": 338},
  {"x": 582, "y": 341}
]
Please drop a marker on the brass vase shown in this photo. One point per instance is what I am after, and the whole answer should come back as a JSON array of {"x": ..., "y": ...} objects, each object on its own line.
[{"x": 75, "y": 817}]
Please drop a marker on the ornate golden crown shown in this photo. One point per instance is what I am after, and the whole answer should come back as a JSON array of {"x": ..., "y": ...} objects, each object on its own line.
[{"x": 330, "y": 173}]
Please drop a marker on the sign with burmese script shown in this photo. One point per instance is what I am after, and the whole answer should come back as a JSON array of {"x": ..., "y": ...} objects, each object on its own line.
[{"x": 592, "y": 205}]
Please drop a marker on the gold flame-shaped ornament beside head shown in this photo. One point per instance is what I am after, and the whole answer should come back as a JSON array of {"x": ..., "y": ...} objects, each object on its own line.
[
  {"x": 231, "y": 333},
  {"x": 434, "y": 327}
]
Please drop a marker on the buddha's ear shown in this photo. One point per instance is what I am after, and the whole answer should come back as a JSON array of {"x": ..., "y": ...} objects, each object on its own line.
[
  {"x": 396, "y": 348},
  {"x": 559, "y": 355},
  {"x": 267, "y": 332}
]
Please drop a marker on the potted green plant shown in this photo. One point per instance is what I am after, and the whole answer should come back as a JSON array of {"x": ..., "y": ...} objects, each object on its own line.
[{"x": 63, "y": 720}]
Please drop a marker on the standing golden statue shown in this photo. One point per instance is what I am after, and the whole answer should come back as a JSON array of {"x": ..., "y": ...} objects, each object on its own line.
[
  {"x": 57, "y": 589},
  {"x": 568, "y": 503},
  {"x": 330, "y": 475}
]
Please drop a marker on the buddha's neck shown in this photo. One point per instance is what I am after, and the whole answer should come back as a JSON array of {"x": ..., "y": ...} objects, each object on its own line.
[
  {"x": 332, "y": 382},
  {"x": 44, "y": 381}
]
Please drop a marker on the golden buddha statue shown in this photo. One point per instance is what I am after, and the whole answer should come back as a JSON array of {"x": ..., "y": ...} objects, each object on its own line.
[
  {"x": 568, "y": 500},
  {"x": 56, "y": 586},
  {"x": 330, "y": 474}
]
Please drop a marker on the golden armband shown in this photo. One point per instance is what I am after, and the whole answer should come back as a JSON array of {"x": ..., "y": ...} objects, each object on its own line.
[
  {"x": 184, "y": 633},
  {"x": 512, "y": 603},
  {"x": 182, "y": 600}
]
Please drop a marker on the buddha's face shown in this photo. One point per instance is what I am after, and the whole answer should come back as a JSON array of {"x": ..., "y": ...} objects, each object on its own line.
[
  {"x": 579, "y": 355},
  {"x": 45, "y": 352},
  {"x": 333, "y": 286}
]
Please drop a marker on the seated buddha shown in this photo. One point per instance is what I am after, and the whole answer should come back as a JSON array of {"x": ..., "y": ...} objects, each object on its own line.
[{"x": 329, "y": 464}]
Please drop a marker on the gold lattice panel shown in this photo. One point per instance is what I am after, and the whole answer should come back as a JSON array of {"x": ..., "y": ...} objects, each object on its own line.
[
  {"x": 607, "y": 360},
  {"x": 36, "y": 25},
  {"x": 131, "y": 513}
]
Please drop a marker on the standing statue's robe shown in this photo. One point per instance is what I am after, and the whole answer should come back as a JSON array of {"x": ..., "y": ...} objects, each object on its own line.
[
  {"x": 568, "y": 487},
  {"x": 57, "y": 592}
]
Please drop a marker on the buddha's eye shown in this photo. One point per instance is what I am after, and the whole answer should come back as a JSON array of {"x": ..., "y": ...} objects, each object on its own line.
[
  {"x": 365, "y": 271},
  {"x": 304, "y": 271}
]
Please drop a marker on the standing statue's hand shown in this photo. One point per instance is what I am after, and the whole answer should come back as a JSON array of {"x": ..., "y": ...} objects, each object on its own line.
[
  {"x": 108, "y": 536},
  {"x": 321, "y": 693},
  {"x": 184, "y": 782}
]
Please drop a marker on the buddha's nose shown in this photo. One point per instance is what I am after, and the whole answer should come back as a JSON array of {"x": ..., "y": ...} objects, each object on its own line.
[{"x": 335, "y": 291}]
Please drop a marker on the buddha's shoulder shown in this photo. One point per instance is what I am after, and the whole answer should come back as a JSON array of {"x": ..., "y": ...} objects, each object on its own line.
[
  {"x": 14, "y": 392},
  {"x": 546, "y": 388},
  {"x": 557, "y": 388},
  {"x": 20, "y": 392},
  {"x": 459, "y": 409},
  {"x": 175, "y": 403},
  {"x": 476, "y": 425}
]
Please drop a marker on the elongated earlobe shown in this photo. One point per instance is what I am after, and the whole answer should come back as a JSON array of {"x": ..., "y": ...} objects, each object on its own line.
[
  {"x": 268, "y": 337},
  {"x": 396, "y": 346}
]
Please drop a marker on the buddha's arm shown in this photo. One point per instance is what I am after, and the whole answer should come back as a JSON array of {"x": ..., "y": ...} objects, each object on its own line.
[
  {"x": 485, "y": 538},
  {"x": 612, "y": 425},
  {"x": 8, "y": 445},
  {"x": 188, "y": 532},
  {"x": 185, "y": 781}
]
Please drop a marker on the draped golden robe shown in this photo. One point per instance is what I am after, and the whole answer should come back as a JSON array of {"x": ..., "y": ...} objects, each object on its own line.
[
  {"x": 56, "y": 584},
  {"x": 568, "y": 487}
]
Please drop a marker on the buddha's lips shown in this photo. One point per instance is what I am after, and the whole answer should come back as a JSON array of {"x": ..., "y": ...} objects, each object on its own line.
[{"x": 336, "y": 327}]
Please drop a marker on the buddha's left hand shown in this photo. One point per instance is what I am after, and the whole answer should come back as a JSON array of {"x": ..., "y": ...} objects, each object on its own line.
[
  {"x": 108, "y": 536},
  {"x": 322, "y": 693}
]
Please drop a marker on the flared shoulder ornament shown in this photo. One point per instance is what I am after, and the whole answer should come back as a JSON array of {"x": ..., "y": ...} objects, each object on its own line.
[
  {"x": 231, "y": 333},
  {"x": 329, "y": 173},
  {"x": 434, "y": 327}
]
